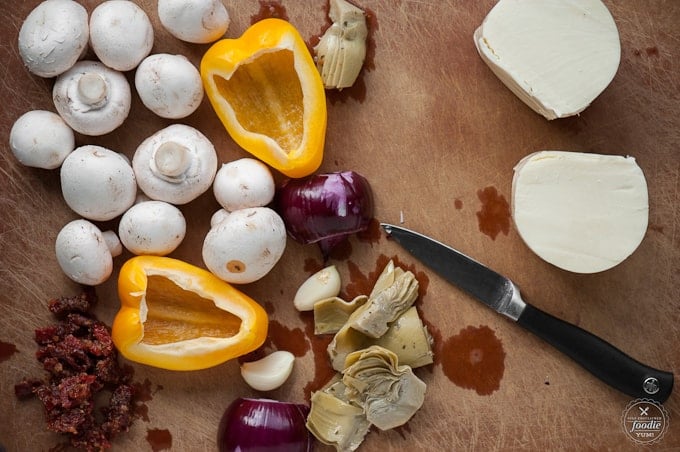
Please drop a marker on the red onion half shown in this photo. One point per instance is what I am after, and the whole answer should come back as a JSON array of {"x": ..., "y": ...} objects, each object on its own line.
[
  {"x": 259, "y": 425},
  {"x": 325, "y": 208}
]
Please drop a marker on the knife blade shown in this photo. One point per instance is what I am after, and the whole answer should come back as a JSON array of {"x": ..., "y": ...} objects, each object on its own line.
[{"x": 596, "y": 355}]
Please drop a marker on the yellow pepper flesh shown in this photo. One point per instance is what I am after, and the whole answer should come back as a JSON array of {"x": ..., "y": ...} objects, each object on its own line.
[
  {"x": 176, "y": 316},
  {"x": 266, "y": 90}
]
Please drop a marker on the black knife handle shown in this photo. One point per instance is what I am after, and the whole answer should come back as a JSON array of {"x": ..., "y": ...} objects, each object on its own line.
[{"x": 599, "y": 357}]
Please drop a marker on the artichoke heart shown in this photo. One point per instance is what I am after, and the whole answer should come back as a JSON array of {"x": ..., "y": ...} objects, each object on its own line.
[
  {"x": 341, "y": 51},
  {"x": 407, "y": 337},
  {"x": 389, "y": 393},
  {"x": 386, "y": 303},
  {"x": 337, "y": 423}
]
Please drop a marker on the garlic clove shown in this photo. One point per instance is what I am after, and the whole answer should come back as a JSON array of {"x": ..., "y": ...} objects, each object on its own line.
[
  {"x": 269, "y": 372},
  {"x": 321, "y": 285},
  {"x": 341, "y": 51}
]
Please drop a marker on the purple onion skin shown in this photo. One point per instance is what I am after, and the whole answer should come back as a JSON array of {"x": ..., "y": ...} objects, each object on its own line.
[
  {"x": 325, "y": 208},
  {"x": 263, "y": 425}
]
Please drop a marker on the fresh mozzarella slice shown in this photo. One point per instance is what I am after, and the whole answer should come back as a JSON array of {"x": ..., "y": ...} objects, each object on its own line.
[
  {"x": 557, "y": 56},
  {"x": 583, "y": 213}
]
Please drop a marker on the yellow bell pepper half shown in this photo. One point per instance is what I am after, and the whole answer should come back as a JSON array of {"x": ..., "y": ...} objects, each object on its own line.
[
  {"x": 176, "y": 316},
  {"x": 266, "y": 90}
]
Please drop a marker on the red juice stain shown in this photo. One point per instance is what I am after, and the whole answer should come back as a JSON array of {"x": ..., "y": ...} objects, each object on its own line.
[
  {"x": 372, "y": 233},
  {"x": 656, "y": 228},
  {"x": 342, "y": 251},
  {"x": 269, "y": 307},
  {"x": 7, "y": 350},
  {"x": 312, "y": 266},
  {"x": 474, "y": 359},
  {"x": 268, "y": 10},
  {"x": 159, "y": 439},
  {"x": 281, "y": 337},
  {"x": 652, "y": 51},
  {"x": 144, "y": 393},
  {"x": 494, "y": 217},
  {"x": 323, "y": 370},
  {"x": 458, "y": 204}
]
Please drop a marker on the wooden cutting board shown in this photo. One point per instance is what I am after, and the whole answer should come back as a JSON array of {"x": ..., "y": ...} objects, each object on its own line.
[{"x": 437, "y": 136}]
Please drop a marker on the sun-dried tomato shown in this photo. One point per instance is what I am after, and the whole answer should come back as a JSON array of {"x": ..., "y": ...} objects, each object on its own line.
[{"x": 81, "y": 361}]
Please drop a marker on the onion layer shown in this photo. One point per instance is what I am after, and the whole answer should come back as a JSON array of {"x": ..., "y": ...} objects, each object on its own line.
[
  {"x": 325, "y": 208},
  {"x": 264, "y": 425}
]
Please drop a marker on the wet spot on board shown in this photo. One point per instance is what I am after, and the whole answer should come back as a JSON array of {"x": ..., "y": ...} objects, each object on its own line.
[
  {"x": 474, "y": 359},
  {"x": 457, "y": 204},
  {"x": 144, "y": 392},
  {"x": 159, "y": 439},
  {"x": 268, "y": 10},
  {"x": 293, "y": 340},
  {"x": 323, "y": 370},
  {"x": 494, "y": 215},
  {"x": 7, "y": 350}
]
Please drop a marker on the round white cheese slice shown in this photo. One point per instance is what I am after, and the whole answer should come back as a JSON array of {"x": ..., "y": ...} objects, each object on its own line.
[
  {"x": 583, "y": 213},
  {"x": 557, "y": 56}
]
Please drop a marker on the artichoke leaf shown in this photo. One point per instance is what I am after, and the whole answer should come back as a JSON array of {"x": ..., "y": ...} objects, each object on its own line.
[
  {"x": 332, "y": 313},
  {"x": 386, "y": 305},
  {"x": 337, "y": 423},
  {"x": 409, "y": 339}
]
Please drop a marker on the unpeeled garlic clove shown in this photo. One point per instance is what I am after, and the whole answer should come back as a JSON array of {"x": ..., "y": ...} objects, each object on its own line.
[
  {"x": 269, "y": 372},
  {"x": 341, "y": 51},
  {"x": 321, "y": 285}
]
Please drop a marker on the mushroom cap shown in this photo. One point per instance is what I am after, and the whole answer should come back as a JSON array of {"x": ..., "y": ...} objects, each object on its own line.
[
  {"x": 245, "y": 245},
  {"x": 196, "y": 21},
  {"x": 82, "y": 253},
  {"x": 201, "y": 160},
  {"x": 169, "y": 85},
  {"x": 53, "y": 37},
  {"x": 87, "y": 118},
  {"x": 97, "y": 183},
  {"x": 121, "y": 34},
  {"x": 243, "y": 183},
  {"x": 152, "y": 228},
  {"x": 41, "y": 139}
]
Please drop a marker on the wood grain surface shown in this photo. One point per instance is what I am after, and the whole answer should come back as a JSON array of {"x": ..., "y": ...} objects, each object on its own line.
[{"x": 432, "y": 129}]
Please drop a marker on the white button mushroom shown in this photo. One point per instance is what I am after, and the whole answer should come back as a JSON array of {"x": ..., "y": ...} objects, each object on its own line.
[
  {"x": 197, "y": 21},
  {"x": 245, "y": 246},
  {"x": 169, "y": 85},
  {"x": 83, "y": 252},
  {"x": 41, "y": 139},
  {"x": 97, "y": 183},
  {"x": 92, "y": 98},
  {"x": 243, "y": 183},
  {"x": 176, "y": 164},
  {"x": 218, "y": 217},
  {"x": 121, "y": 34},
  {"x": 53, "y": 37},
  {"x": 152, "y": 228}
]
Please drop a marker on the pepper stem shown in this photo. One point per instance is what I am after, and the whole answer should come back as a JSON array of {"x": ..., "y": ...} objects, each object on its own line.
[{"x": 171, "y": 160}]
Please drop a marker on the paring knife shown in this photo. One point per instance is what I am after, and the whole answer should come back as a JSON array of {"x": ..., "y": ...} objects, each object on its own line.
[{"x": 596, "y": 355}]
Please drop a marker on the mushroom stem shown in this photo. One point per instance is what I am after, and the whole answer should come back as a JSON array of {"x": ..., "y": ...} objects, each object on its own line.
[
  {"x": 171, "y": 160},
  {"x": 113, "y": 243},
  {"x": 92, "y": 89}
]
